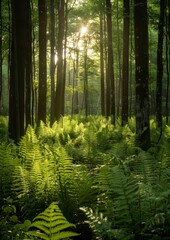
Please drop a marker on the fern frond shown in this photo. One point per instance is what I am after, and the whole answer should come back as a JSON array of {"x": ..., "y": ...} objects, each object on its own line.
[
  {"x": 29, "y": 149},
  {"x": 121, "y": 194},
  {"x": 3, "y": 128},
  {"x": 145, "y": 167},
  {"x": 8, "y": 161},
  {"x": 20, "y": 185},
  {"x": 51, "y": 224},
  {"x": 85, "y": 186}
]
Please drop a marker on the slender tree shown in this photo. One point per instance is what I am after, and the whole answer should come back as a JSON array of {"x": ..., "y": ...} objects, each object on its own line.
[
  {"x": 75, "y": 96},
  {"x": 42, "y": 89},
  {"x": 52, "y": 59},
  {"x": 167, "y": 57},
  {"x": 86, "y": 100},
  {"x": 108, "y": 84},
  {"x": 142, "y": 72},
  {"x": 110, "y": 69},
  {"x": 160, "y": 64},
  {"x": 28, "y": 66},
  {"x": 34, "y": 101},
  {"x": 59, "y": 98},
  {"x": 17, "y": 69},
  {"x": 65, "y": 53},
  {"x": 9, "y": 37},
  {"x": 125, "y": 74},
  {"x": 118, "y": 82},
  {"x": 102, "y": 66},
  {"x": 0, "y": 56},
  {"x": 131, "y": 59}
]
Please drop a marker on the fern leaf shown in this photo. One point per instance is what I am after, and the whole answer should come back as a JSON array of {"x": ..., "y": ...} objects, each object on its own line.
[
  {"x": 8, "y": 162},
  {"x": 41, "y": 225},
  {"x": 63, "y": 235},
  {"x": 121, "y": 196},
  {"x": 38, "y": 234},
  {"x": 61, "y": 227},
  {"x": 29, "y": 149},
  {"x": 54, "y": 218},
  {"x": 51, "y": 224},
  {"x": 145, "y": 167}
]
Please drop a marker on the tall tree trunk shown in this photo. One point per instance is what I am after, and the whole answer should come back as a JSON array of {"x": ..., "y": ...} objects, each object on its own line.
[
  {"x": 17, "y": 70},
  {"x": 52, "y": 59},
  {"x": 34, "y": 111},
  {"x": 76, "y": 76},
  {"x": 65, "y": 53},
  {"x": 102, "y": 66},
  {"x": 142, "y": 73},
  {"x": 110, "y": 73},
  {"x": 86, "y": 102},
  {"x": 59, "y": 98},
  {"x": 125, "y": 74},
  {"x": 9, "y": 38},
  {"x": 0, "y": 57},
  {"x": 131, "y": 81},
  {"x": 108, "y": 84},
  {"x": 42, "y": 61},
  {"x": 167, "y": 57},
  {"x": 160, "y": 64},
  {"x": 29, "y": 82},
  {"x": 118, "y": 83}
]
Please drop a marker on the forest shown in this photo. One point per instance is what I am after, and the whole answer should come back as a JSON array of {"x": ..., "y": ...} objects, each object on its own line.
[{"x": 84, "y": 119}]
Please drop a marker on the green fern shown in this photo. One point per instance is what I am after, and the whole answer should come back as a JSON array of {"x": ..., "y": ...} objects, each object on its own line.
[
  {"x": 3, "y": 127},
  {"x": 100, "y": 225},
  {"x": 120, "y": 193},
  {"x": 35, "y": 179},
  {"x": 145, "y": 167},
  {"x": 8, "y": 161},
  {"x": 51, "y": 225},
  {"x": 29, "y": 149}
]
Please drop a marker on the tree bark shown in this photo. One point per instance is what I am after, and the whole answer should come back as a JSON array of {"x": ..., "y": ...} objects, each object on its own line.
[
  {"x": 102, "y": 66},
  {"x": 75, "y": 97},
  {"x": 42, "y": 61},
  {"x": 118, "y": 83},
  {"x": 0, "y": 57},
  {"x": 28, "y": 66},
  {"x": 52, "y": 59},
  {"x": 65, "y": 55},
  {"x": 142, "y": 73},
  {"x": 17, "y": 70},
  {"x": 167, "y": 58},
  {"x": 110, "y": 69},
  {"x": 125, "y": 74},
  {"x": 160, "y": 64},
  {"x": 59, "y": 98},
  {"x": 86, "y": 101}
]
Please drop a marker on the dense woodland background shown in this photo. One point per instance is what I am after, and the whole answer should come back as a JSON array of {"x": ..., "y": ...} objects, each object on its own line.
[
  {"x": 84, "y": 119},
  {"x": 84, "y": 57}
]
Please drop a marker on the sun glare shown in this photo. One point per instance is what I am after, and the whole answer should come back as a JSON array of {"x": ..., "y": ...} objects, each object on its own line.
[{"x": 83, "y": 30}]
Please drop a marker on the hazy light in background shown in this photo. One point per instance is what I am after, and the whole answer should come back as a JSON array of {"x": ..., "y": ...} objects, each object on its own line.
[
  {"x": 83, "y": 30},
  {"x": 56, "y": 58}
]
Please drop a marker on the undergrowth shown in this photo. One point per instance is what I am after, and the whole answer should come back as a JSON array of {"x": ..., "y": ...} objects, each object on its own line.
[{"x": 98, "y": 179}]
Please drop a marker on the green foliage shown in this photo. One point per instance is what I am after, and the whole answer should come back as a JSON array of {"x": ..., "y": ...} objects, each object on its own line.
[
  {"x": 29, "y": 149},
  {"x": 46, "y": 173},
  {"x": 102, "y": 228},
  {"x": 120, "y": 193},
  {"x": 51, "y": 225},
  {"x": 8, "y": 161},
  {"x": 91, "y": 165},
  {"x": 134, "y": 196},
  {"x": 10, "y": 225},
  {"x": 31, "y": 174},
  {"x": 3, "y": 127}
]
